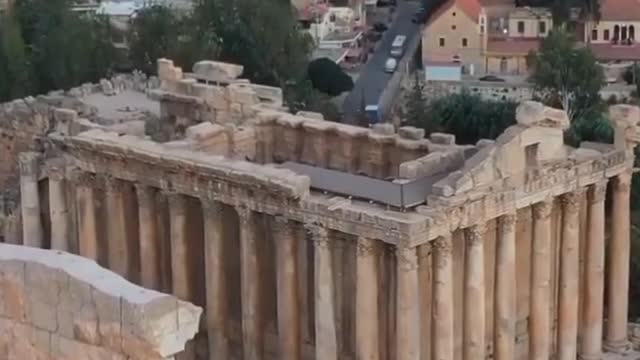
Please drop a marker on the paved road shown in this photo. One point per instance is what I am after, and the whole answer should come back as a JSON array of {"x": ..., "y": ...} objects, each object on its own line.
[{"x": 372, "y": 78}]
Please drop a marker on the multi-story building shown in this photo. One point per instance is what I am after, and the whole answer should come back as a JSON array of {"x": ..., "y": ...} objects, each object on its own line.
[{"x": 613, "y": 37}]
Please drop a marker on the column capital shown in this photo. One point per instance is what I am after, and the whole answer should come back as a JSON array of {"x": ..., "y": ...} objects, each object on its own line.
[
  {"x": 112, "y": 184},
  {"x": 145, "y": 193},
  {"x": 508, "y": 222},
  {"x": 84, "y": 179},
  {"x": 365, "y": 246},
  {"x": 475, "y": 234},
  {"x": 542, "y": 210},
  {"x": 29, "y": 164},
  {"x": 244, "y": 214},
  {"x": 571, "y": 200},
  {"x": 407, "y": 258},
  {"x": 280, "y": 223},
  {"x": 319, "y": 235},
  {"x": 211, "y": 206},
  {"x": 56, "y": 173},
  {"x": 444, "y": 247},
  {"x": 598, "y": 192},
  {"x": 622, "y": 182},
  {"x": 177, "y": 202}
]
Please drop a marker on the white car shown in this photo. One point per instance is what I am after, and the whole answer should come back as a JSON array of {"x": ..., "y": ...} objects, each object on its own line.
[{"x": 390, "y": 65}]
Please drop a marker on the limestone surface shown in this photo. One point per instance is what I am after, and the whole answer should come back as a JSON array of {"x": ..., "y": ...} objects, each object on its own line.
[{"x": 54, "y": 305}]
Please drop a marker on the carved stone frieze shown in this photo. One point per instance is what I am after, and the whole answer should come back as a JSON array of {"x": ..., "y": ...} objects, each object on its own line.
[
  {"x": 366, "y": 246},
  {"x": 508, "y": 222},
  {"x": 571, "y": 201},
  {"x": 407, "y": 258},
  {"x": 598, "y": 192},
  {"x": 475, "y": 234}
]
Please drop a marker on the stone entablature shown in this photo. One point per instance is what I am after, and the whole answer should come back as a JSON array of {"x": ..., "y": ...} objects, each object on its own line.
[{"x": 56, "y": 305}]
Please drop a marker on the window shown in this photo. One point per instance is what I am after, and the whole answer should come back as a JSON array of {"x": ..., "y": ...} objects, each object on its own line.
[
  {"x": 521, "y": 27},
  {"x": 503, "y": 65},
  {"x": 605, "y": 36},
  {"x": 454, "y": 13},
  {"x": 594, "y": 34},
  {"x": 481, "y": 29},
  {"x": 453, "y": 27},
  {"x": 464, "y": 42},
  {"x": 632, "y": 32},
  {"x": 441, "y": 42},
  {"x": 542, "y": 27}
]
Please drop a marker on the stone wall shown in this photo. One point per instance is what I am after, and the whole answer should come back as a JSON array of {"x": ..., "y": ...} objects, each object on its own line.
[{"x": 56, "y": 305}]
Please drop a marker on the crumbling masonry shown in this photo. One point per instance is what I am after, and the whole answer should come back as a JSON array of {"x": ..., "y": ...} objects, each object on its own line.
[{"x": 307, "y": 239}]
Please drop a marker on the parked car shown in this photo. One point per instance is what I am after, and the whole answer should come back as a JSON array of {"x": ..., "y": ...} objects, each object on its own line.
[
  {"x": 491, "y": 78},
  {"x": 390, "y": 65}
]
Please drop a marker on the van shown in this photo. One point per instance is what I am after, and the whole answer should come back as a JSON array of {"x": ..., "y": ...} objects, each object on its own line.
[
  {"x": 390, "y": 65},
  {"x": 397, "y": 47}
]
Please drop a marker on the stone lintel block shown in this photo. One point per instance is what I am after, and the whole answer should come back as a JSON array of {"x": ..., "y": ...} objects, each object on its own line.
[
  {"x": 311, "y": 115},
  {"x": 348, "y": 131},
  {"x": 532, "y": 113},
  {"x": 411, "y": 133},
  {"x": 317, "y": 126},
  {"x": 242, "y": 94},
  {"x": 217, "y": 70},
  {"x": 383, "y": 129},
  {"x": 443, "y": 139},
  {"x": 203, "y": 131}
]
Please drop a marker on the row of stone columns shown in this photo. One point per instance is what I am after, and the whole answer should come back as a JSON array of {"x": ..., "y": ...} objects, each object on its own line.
[
  {"x": 540, "y": 333},
  {"x": 367, "y": 281}
]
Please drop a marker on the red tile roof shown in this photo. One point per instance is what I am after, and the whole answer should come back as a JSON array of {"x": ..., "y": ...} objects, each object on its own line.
[
  {"x": 610, "y": 52},
  {"x": 512, "y": 46},
  {"x": 620, "y": 10},
  {"x": 471, "y": 8}
]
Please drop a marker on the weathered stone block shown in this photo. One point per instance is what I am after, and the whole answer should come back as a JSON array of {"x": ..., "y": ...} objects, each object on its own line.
[
  {"x": 443, "y": 139},
  {"x": 411, "y": 133}
]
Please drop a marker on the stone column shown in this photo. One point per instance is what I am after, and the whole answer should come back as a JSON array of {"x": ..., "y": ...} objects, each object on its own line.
[
  {"x": 592, "y": 316},
  {"x": 250, "y": 286},
  {"x": 325, "y": 325},
  {"x": 569, "y": 277},
  {"x": 117, "y": 246},
  {"x": 505, "y": 296},
  {"x": 58, "y": 212},
  {"x": 540, "y": 313},
  {"x": 86, "y": 207},
  {"x": 216, "y": 283},
  {"x": 442, "y": 313},
  {"x": 32, "y": 231},
  {"x": 149, "y": 240},
  {"x": 179, "y": 246},
  {"x": 618, "y": 272},
  {"x": 287, "y": 280},
  {"x": 407, "y": 305},
  {"x": 366, "y": 300},
  {"x": 474, "y": 297}
]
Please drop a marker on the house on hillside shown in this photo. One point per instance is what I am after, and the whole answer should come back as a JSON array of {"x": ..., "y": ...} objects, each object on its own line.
[
  {"x": 614, "y": 37},
  {"x": 456, "y": 33},
  {"x": 509, "y": 46}
]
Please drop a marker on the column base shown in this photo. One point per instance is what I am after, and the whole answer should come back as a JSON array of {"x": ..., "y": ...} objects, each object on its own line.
[{"x": 617, "y": 347}]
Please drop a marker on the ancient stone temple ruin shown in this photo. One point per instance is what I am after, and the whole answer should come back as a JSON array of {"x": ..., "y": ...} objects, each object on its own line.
[{"x": 307, "y": 239}]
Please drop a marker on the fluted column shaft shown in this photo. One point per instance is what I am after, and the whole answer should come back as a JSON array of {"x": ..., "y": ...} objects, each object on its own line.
[
  {"x": 215, "y": 284},
  {"x": 287, "y": 281},
  {"x": 618, "y": 267},
  {"x": 591, "y": 346},
  {"x": 149, "y": 240},
  {"x": 118, "y": 249},
  {"x": 442, "y": 312},
  {"x": 407, "y": 305},
  {"x": 325, "y": 324},
  {"x": 86, "y": 207},
  {"x": 179, "y": 247},
  {"x": 474, "y": 297},
  {"x": 540, "y": 319},
  {"x": 252, "y": 342},
  {"x": 505, "y": 297},
  {"x": 58, "y": 212},
  {"x": 32, "y": 231},
  {"x": 569, "y": 277},
  {"x": 367, "y": 336}
]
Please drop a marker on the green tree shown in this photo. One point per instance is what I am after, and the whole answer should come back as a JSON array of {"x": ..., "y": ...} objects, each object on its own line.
[
  {"x": 468, "y": 117},
  {"x": 567, "y": 74},
  {"x": 327, "y": 77},
  {"x": 15, "y": 72},
  {"x": 416, "y": 107},
  {"x": 301, "y": 95}
]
